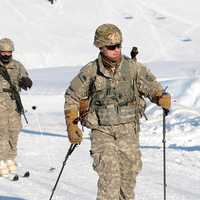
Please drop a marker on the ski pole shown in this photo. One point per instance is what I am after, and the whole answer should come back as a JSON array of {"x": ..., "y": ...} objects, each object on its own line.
[
  {"x": 165, "y": 112},
  {"x": 71, "y": 149},
  {"x": 40, "y": 130}
]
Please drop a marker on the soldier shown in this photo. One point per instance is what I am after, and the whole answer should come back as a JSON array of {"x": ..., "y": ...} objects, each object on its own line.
[
  {"x": 111, "y": 84},
  {"x": 13, "y": 77}
]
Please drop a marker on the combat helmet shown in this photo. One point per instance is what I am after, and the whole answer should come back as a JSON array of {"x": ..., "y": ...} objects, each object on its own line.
[
  {"x": 6, "y": 45},
  {"x": 107, "y": 35}
]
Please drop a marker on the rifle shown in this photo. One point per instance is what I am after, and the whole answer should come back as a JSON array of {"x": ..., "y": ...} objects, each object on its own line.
[{"x": 15, "y": 94}]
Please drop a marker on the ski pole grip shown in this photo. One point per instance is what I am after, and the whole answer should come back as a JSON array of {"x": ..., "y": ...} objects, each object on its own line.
[{"x": 166, "y": 112}]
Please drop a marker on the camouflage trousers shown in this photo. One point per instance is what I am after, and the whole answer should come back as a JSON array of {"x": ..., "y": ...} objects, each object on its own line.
[
  {"x": 117, "y": 161},
  {"x": 10, "y": 126}
]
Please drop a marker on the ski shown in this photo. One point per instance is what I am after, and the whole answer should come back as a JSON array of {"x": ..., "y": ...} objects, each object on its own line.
[{"x": 17, "y": 176}]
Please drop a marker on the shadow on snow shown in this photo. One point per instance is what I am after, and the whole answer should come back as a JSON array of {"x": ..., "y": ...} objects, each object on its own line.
[
  {"x": 172, "y": 146},
  {"x": 175, "y": 147},
  {"x": 31, "y": 132},
  {"x": 42, "y": 133},
  {"x": 191, "y": 148},
  {"x": 10, "y": 198}
]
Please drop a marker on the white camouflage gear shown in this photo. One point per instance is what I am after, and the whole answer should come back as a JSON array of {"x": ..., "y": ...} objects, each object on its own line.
[
  {"x": 12, "y": 166},
  {"x": 3, "y": 168}
]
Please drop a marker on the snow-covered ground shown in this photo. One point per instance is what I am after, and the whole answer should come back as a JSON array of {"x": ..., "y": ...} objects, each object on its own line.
[
  {"x": 48, "y": 36},
  {"x": 62, "y": 34}
]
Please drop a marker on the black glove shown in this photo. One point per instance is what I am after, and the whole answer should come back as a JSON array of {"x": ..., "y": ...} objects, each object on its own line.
[{"x": 25, "y": 83}]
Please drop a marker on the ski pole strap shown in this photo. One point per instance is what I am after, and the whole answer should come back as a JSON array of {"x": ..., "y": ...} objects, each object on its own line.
[
  {"x": 165, "y": 112},
  {"x": 71, "y": 149}
]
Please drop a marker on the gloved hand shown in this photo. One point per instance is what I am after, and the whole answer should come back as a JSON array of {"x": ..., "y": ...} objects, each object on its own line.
[
  {"x": 25, "y": 83},
  {"x": 165, "y": 101},
  {"x": 74, "y": 133},
  {"x": 83, "y": 110}
]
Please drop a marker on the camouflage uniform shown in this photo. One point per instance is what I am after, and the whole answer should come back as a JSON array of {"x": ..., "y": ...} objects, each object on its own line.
[
  {"x": 113, "y": 118},
  {"x": 10, "y": 119}
]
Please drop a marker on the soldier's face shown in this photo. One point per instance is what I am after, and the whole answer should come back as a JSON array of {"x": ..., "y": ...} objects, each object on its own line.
[
  {"x": 112, "y": 52},
  {"x": 5, "y": 56}
]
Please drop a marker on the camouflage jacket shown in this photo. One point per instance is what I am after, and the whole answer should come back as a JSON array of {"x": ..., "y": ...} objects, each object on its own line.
[
  {"x": 16, "y": 71},
  {"x": 119, "y": 104}
]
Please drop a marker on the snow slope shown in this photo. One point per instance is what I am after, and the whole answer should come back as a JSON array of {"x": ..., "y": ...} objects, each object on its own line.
[
  {"x": 62, "y": 34},
  {"x": 54, "y": 41}
]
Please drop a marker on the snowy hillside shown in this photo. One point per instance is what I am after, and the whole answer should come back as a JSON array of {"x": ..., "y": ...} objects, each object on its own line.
[
  {"x": 54, "y": 41},
  {"x": 62, "y": 34}
]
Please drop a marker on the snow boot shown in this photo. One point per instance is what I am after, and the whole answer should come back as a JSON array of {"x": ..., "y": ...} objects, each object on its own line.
[
  {"x": 4, "y": 171},
  {"x": 12, "y": 167}
]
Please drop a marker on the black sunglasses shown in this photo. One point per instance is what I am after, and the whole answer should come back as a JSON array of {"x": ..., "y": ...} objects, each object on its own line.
[{"x": 113, "y": 47}]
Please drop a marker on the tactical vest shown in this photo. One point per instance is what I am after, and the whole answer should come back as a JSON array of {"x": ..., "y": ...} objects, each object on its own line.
[{"x": 115, "y": 103}]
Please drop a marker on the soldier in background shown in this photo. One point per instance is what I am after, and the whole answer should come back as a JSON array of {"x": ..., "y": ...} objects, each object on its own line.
[
  {"x": 110, "y": 86},
  {"x": 10, "y": 119}
]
